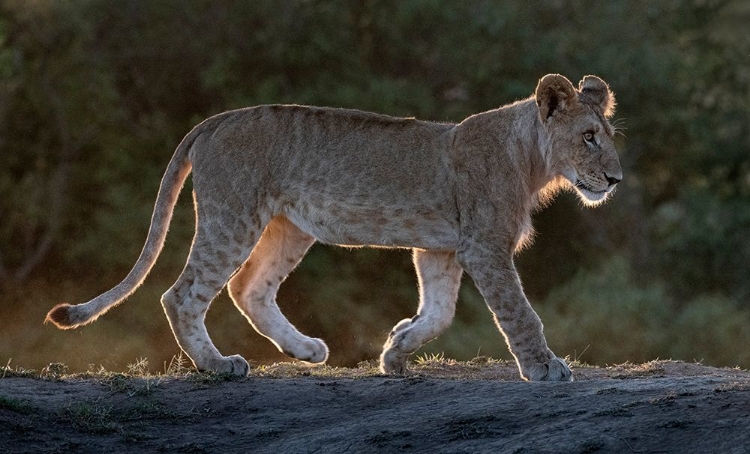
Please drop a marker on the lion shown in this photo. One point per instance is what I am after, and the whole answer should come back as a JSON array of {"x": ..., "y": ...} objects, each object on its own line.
[{"x": 271, "y": 180}]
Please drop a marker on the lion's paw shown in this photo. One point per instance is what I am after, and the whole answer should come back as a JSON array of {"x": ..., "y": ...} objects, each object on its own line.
[
  {"x": 234, "y": 365},
  {"x": 310, "y": 350},
  {"x": 554, "y": 369},
  {"x": 393, "y": 362}
]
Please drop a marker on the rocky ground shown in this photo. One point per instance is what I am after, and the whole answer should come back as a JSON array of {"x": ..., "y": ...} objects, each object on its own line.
[{"x": 440, "y": 406}]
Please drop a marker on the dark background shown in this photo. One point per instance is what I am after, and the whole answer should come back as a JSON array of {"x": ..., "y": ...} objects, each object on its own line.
[{"x": 96, "y": 94}]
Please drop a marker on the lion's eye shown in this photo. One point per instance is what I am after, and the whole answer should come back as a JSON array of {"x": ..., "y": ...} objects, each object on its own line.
[{"x": 588, "y": 136}]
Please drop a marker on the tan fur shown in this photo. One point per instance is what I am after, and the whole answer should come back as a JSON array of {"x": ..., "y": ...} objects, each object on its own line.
[{"x": 271, "y": 180}]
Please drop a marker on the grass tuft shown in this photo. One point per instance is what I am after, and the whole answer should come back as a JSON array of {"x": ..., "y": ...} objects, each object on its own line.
[
  {"x": 8, "y": 372},
  {"x": 91, "y": 417},
  {"x": 430, "y": 359},
  {"x": 139, "y": 368},
  {"x": 54, "y": 370},
  {"x": 16, "y": 405},
  {"x": 178, "y": 365},
  {"x": 211, "y": 378}
]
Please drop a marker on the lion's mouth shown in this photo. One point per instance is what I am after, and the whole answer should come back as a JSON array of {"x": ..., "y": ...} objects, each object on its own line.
[{"x": 581, "y": 185}]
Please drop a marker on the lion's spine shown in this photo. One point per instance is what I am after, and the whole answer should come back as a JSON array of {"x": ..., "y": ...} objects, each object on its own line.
[{"x": 66, "y": 316}]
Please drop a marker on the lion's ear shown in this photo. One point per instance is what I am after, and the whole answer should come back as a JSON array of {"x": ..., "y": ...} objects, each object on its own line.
[
  {"x": 554, "y": 93},
  {"x": 596, "y": 91}
]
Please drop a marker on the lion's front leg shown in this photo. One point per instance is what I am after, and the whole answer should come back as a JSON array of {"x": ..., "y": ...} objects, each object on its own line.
[
  {"x": 496, "y": 278},
  {"x": 439, "y": 279}
]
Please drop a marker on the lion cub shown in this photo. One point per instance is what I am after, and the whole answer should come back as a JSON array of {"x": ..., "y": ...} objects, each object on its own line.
[{"x": 269, "y": 181}]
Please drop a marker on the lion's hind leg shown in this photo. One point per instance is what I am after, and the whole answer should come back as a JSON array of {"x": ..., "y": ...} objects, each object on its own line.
[
  {"x": 223, "y": 241},
  {"x": 439, "y": 280},
  {"x": 253, "y": 289}
]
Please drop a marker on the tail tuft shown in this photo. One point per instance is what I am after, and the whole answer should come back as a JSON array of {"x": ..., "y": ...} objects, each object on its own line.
[
  {"x": 66, "y": 316},
  {"x": 60, "y": 316}
]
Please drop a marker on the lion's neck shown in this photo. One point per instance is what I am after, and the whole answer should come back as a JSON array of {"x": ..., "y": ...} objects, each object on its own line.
[
  {"x": 510, "y": 143},
  {"x": 533, "y": 151}
]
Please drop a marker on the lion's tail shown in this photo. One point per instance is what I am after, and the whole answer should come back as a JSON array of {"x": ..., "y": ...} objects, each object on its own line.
[{"x": 66, "y": 316}]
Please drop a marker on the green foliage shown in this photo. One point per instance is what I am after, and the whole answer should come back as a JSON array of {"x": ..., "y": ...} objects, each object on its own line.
[
  {"x": 603, "y": 313},
  {"x": 711, "y": 329},
  {"x": 702, "y": 244},
  {"x": 613, "y": 319},
  {"x": 94, "y": 95}
]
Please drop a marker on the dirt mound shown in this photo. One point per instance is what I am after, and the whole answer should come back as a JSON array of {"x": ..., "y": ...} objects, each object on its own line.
[{"x": 442, "y": 406}]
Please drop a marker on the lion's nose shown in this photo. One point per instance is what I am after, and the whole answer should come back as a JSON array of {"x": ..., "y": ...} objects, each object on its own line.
[{"x": 612, "y": 180}]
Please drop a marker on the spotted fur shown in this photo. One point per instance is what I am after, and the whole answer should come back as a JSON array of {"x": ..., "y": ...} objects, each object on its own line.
[{"x": 269, "y": 181}]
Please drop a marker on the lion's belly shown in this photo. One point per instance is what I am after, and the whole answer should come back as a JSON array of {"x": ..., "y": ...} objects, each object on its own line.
[{"x": 347, "y": 225}]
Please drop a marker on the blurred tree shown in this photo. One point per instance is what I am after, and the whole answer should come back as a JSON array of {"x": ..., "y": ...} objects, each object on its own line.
[
  {"x": 700, "y": 231},
  {"x": 95, "y": 94},
  {"x": 56, "y": 102}
]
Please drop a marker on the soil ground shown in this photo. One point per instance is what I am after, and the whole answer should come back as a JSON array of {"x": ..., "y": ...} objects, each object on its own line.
[{"x": 440, "y": 406}]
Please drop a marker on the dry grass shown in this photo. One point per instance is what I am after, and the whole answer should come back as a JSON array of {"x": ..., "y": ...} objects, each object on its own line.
[{"x": 139, "y": 380}]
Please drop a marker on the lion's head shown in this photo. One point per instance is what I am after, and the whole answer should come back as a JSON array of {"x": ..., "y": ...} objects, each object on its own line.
[{"x": 582, "y": 148}]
